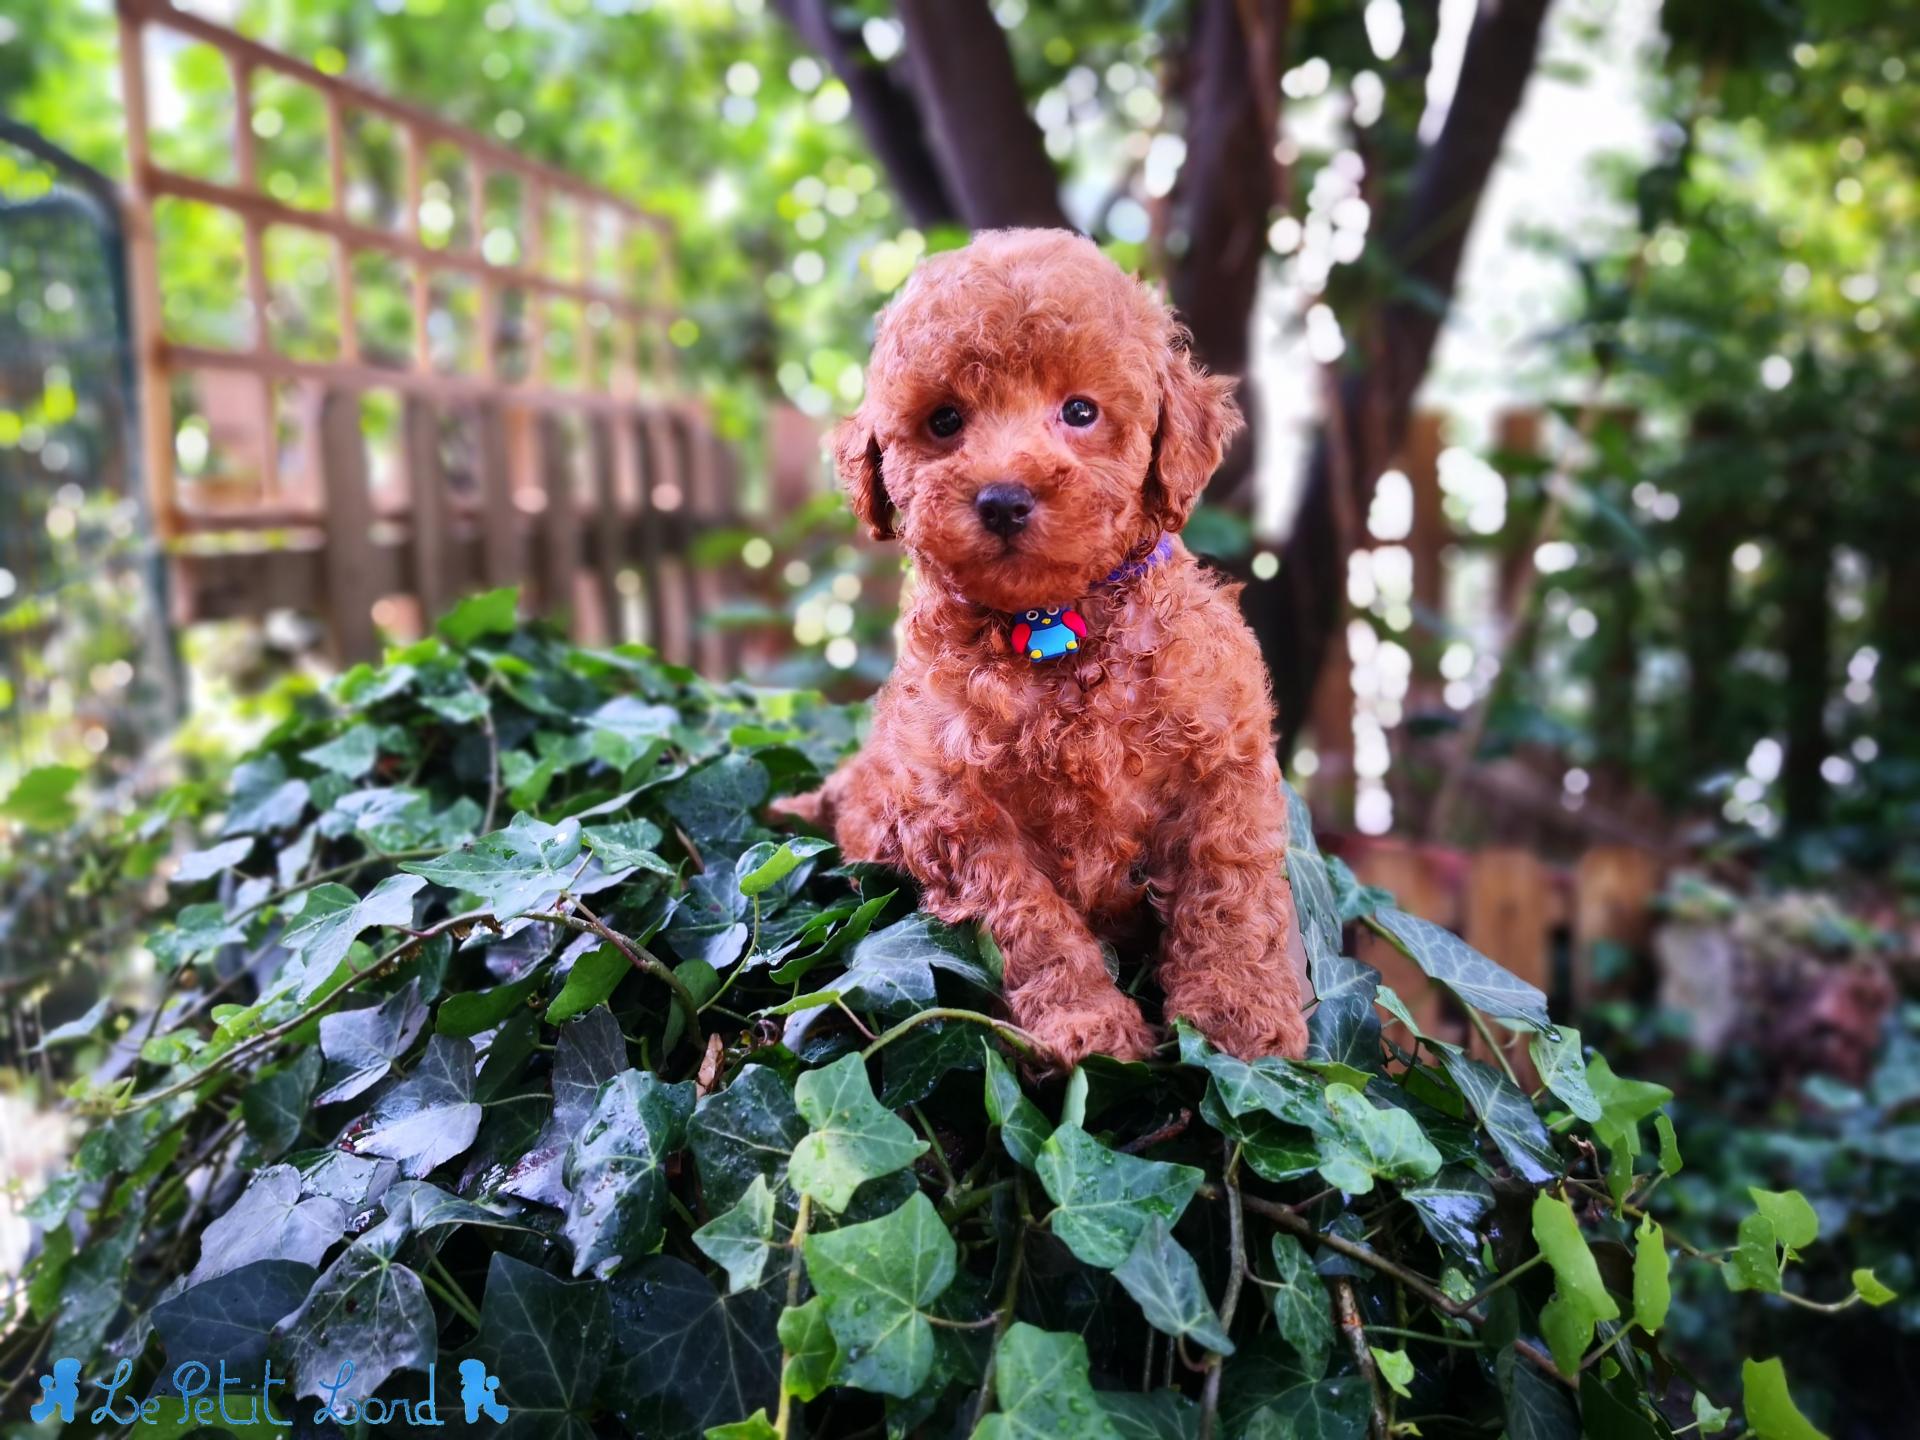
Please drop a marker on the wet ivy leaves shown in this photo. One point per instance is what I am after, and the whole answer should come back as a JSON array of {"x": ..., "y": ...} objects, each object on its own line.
[
  {"x": 367, "y": 1310},
  {"x": 547, "y": 1340},
  {"x": 510, "y": 871},
  {"x": 877, "y": 1279},
  {"x": 1452, "y": 1206},
  {"x": 811, "y": 1351},
  {"x": 852, "y": 1139},
  {"x": 1105, "y": 1199},
  {"x": 429, "y": 1117},
  {"x": 890, "y": 974},
  {"x": 1302, "y": 1312},
  {"x": 1364, "y": 1143},
  {"x": 1040, "y": 1380},
  {"x": 334, "y": 917},
  {"x": 1023, "y": 1128},
  {"x": 616, "y": 1170},
  {"x": 915, "y": 1064},
  {"x": 229, "y": 1318},
  {"x": 746, "y": 1131},
  {"x": 1165, "y": 1283},
  {"x": 740, "y": 1241},
  {"x": 1563, "y": 1070},
  {"x": 588, "y": 1053},
  {"x": 264, "y": 799},
  {"x": 213, "y": 861},
  {"x": 270, "y": 1221},
  {"x": 275, "y": 1107},
  {"x": 688, "y": 1357},
  {"x": 1507, "y": 1116},
  {"x": 1478, "y": 982},
  {"x": 1287, "y": 1092},
  {"x": 360, "y": 1046}
]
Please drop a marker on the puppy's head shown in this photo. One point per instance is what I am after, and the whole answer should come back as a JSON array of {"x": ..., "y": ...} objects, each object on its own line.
[{"x": 1032, "y": 417}]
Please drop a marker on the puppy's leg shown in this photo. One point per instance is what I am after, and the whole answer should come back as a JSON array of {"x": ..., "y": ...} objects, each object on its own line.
[
  {"x": 1223, "y": 961},
  {"x": 973, "y": 864}
]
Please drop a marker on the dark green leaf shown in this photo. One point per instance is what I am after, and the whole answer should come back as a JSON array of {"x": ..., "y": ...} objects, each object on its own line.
[
  {"x": 365, "y": 1310},
  {"x": 361, "y": 1045},
  {"x": 429, "y": 1117},
  {"x": 918, "y": 1061},
  {"x": 740, "y": 1241},
  {"x": 589, "y": 1052},
  {"x": 877, "y": 1279},
  {"x": 616, "y": 1170},
  {"x": 547, "y": 1342},
  {"x": 1508, "y": 1116},
  {"x": 1165, "y": 1283},
  {"x": 270, "y": 1222},
  {"x": 1044, "y": 1390},
  {"x": 1301, "y": 1310},
  {"x": 689, "y": 1358},
  {"x": 264, "y": 799},
  {"x": 744, "y": 1131},
  {"x": 277, "y": 1105},
  {"x": 512, "y": 870},
  {"x": 1106, "y": 1199},
  {"x": 1478, "y": 982},
  {"x": 229, "y": 1319},
  {"x": 334, "y": 917},
  {"x": 1023, "y": 1129},
  {"x": 1452, "y": 1206},
  {"x": 350, "y": 756},
  {"x": 853, "y": 1138}
]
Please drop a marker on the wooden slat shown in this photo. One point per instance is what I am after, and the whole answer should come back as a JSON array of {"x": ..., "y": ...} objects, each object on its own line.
[
  {"x": 705, "y": 508},
  {"x": 606, "y": 443},
  {"x": 1509, "y": 918},
  {"x": 560, "y": 527},
  {"x": 161, "y": 12},
  {"x": 1405, "y": 871},
  {"x": 342, "y": 459},
  {"x": 431, "y": 510},
  {"x": 143, "y": 266},
  {"x": 1613, "y": 891},
  {"x": 499, "y": 524}
]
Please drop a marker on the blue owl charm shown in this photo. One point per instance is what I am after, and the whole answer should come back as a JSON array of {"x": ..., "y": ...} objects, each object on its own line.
[{"x": 1048, "y": 632}]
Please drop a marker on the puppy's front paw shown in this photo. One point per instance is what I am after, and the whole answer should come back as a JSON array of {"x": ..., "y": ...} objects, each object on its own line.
[
  {"x": 1248, "y": 1029},
  {"x": 1103, "y": 1025}
]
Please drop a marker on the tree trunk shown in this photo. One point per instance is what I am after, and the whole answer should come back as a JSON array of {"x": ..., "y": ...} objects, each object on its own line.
[
  {"x": 1224, "y": 198},
  {"x": 1294, "y": 614},
  {"x": 987, "y": 144},
  {"x": 1806, "y": 639},
  {"x": 885, "y": 109}
]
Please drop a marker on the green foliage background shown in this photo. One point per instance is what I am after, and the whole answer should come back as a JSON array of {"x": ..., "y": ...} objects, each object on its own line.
[{"x": 497, "y": 1014}]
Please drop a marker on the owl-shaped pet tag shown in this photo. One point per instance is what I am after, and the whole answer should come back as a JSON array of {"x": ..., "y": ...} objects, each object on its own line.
[{"x": 1045, "y": 634}]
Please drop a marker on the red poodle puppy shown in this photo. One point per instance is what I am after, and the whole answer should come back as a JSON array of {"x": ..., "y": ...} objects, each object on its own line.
[{"x": 1080, "y": 723}]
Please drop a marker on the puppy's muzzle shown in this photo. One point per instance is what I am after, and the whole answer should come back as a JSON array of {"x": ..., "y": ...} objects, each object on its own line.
[{"x": 1004, "y": 508}]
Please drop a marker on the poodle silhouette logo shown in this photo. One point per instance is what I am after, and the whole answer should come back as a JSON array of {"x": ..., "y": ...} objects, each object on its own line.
[{"x": 193, "y": 1398}]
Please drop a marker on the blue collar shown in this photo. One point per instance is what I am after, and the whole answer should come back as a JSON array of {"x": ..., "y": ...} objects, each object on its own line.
[{"x": 1163, "y": 550}]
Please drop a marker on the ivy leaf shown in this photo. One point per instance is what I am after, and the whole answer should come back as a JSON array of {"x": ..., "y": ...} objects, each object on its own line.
[
  {"x": 810, "y": 1348},
  {"x": 1652, "y": 1288},
  {"x": 1041, "y": 1381},
  {"x": 1795, "y": 1224},
  {"x": 365, "y": 1311},
  {"x": 547, "y": 1341},
  {"x": 912, "y": 1066},
  {"x": 1508, "y": 1117},
  {"x": 755, "y": 1427},
  {"x": 1563, "y": 1070},
  {"x": 1273, "y": 1151},
  {"x": 1556, "y": 1231},
  {"x": 276, "y": 1106},
  {"x": 1301, "y": 1310},
  {"x": 217, "y": 860},
  {"x": 269, "y": 1222},
  {"x": 491, "y": 613},
  {"x": 511, "y": 870},
  {"x": 1872, "y": 1290},
  {"x": 1755, "y": 1262},
  {"x": 1478, "y": 981},
  {"x": 616, "y": 1170},
  {"x": 1325, "y": 1410},
  {"x": 589, "y": 1052},
  {"x": 1395, "y": 1368},
  {"x": 420, "y": 1207},
  {"x": 890, "y": 973},
  {"x": 1711, "y": 1418},
  {"x": 333, "y": 919},
  {"x": 626, "y": 728},
  {"x": 1364, "y": 1142},
  {"x": 1670, "y": 1160},
  {"x": 1568, "y": 1322},
  {"x": 350, "y": 756},
  {"x": 688, "y": 1357},
  {"x": 43, "y": 798},
  {"x": 429, "y": 1117},
  {"x": 1165, "y": 1283},
  {"x": 877, "y": 1279},
  {"x": 472, "y": 1012},
  {"x": 1023, "y": 1128},
  {"x": 1344, "y": 1027},
  {"x": 264, "y": 799},
  {"x": 742, "y": 1133},
  {"x": 852, "y": 1140},
  {"x": 779, "y": 865},
  {"x": 1161, "y": 1415},
  {"x": 361, "y": 1045},
  {"x": 592, "y": 979},
  {"x": 1286, "y": 1092},
  {"x": 1451, "y": 1205},
  {"x": 740, "y": 1240},
  {"x": 1624, "y": 1104},
  {"x": 228, "y": 1319},
  {"x": 195, "y": 930},
  {"x": 1106, "y": 1199},
  {"x": 93, "y": 1289},
  {"x": 1771, "y": 1413},
  {"x": 1537, "y": 1408},
  {"x": 630, "y": 845}
]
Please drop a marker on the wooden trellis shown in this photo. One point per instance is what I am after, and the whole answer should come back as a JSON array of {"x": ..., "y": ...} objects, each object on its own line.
[{"x": 587, "y": 481}]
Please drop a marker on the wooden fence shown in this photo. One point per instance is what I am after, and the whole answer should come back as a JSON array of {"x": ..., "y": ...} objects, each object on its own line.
[{"x": 585, "y": 477}]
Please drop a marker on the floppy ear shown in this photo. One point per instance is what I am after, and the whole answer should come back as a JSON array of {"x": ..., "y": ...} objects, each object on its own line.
[
  {"x": 1198, "y": 418},
  {"x": 856, "y": 455}
]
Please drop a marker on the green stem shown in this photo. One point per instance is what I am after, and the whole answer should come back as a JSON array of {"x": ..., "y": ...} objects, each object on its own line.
[
  {"x": 1012, "y": 1034},
  {"x": 783, "y": 1421},
  {"x": 448, "y": 1289},
  {"x": 1463, "y": 1341},
  {"x": 640, "y": 958},
  {"x": 1499, "y": 1053},
  {"x": 1009, "y": 1297},
  {"x": 935, "y": 1149}
]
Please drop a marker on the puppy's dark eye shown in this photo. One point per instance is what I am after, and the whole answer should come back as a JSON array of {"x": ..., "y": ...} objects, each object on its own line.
[
  {"x": 945, "y": 422},
  {"x": 1079, "y": 412}
]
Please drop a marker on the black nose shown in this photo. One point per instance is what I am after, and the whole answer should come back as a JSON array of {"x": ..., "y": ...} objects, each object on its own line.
[{"x": 1004, "y": 508}]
